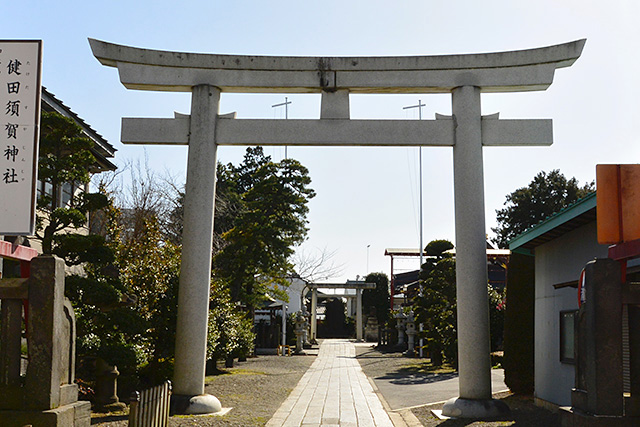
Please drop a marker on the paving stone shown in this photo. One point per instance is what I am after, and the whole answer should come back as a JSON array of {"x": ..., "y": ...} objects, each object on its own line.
[{"x": 333, "y": 392}]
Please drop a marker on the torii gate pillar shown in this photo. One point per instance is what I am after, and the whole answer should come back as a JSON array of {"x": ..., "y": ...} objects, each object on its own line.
[
  {"x": 474, "y": 363},
  {"x": 195, "y": 268}
]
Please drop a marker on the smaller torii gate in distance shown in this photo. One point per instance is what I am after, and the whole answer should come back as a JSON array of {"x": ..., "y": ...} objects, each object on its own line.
[
  {"x": 465, "y": 77},
  {"x": 351, "y": 284}
]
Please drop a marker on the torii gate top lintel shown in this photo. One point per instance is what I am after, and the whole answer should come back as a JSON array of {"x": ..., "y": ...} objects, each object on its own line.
[
  {"x": 349, "y": 285},
  {"x": 521, "y": 70}
]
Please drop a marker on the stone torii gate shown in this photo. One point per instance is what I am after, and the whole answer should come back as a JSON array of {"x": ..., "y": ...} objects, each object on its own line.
[
  {"x": 351, "y": 284},
  {"x": 465, "y": 77}
]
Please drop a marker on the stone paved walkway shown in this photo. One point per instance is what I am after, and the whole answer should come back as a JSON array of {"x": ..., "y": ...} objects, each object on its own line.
[{"x": 333, "y": 392}]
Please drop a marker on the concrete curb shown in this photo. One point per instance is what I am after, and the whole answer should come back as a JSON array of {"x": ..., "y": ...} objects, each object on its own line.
[{"x": 400, "y": 417}]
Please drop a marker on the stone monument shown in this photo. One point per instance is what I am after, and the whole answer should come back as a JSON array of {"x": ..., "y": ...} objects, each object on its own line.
[
  {"x": 47, "y": 396},
  {"x": 400, "y": 326},
  {"x": 372, "y": 328},
  {"x": 598, "y": 398}
]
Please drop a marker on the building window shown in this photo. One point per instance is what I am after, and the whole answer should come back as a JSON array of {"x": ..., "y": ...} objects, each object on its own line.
[
  {"x": 67, "y": 194},
  {"x": 567, "y": 336}
]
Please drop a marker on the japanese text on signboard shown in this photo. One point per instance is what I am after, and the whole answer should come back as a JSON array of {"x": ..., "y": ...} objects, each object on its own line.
[{"x": 20, "y": 117}]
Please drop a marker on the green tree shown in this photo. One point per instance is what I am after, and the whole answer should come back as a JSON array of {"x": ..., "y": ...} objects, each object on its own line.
[
  {"x": 377, "y": 298},
  {"x": 497, "y": 308},
  {"x": 266, "y": 219},
  {"x": 106, "y": 325},
  {"x": 230, "y": 332},
  {"x": 65, "y": 158},
  {"x": 436, "y": 306},
  {"x": 546, "y": 194},
  {"x": 149, "y": 268}
]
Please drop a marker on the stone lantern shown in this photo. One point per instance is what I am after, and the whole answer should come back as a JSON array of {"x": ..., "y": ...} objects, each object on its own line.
[
  {"x": 410, "y": 326},
  {"x": 300, "y": 329}
]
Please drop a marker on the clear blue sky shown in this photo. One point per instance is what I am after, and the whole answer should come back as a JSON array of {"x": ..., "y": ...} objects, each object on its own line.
[{"x": 365, "y": 196}]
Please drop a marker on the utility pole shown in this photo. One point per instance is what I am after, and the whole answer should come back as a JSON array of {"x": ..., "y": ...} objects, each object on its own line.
[
  {"x": 421, "y": 247},
  {"x": 286, "y": 116},
  {"x": 368, "y": 246}
]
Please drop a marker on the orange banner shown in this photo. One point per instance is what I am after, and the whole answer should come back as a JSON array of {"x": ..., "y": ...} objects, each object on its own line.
[{"x": 618, "y": 203}]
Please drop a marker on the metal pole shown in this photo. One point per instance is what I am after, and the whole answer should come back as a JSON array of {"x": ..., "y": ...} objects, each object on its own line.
[
  {"x": 286, "y": 116},
  {"x": 419, "y": 107},
  {"x": 368, "y": 246}
]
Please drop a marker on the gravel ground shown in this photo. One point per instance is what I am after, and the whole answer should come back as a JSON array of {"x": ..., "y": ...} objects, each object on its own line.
[{"x": 254, "y": 390}]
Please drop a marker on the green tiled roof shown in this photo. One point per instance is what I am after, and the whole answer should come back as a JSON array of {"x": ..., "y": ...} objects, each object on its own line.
[{"x": 581, "y": 212}]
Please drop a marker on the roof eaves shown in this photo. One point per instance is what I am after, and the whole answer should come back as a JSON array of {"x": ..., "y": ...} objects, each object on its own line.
[
  {"x": 108, "y": 149},
  {"x": 570, "y": 212}
]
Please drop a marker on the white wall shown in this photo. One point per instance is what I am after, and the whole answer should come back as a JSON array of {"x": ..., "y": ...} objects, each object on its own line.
[
  {"x": 294, "y": 291},
  {"x": 558, "y": 261}
]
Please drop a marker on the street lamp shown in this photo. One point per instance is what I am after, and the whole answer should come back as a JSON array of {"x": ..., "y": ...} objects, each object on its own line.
[{"x": 368, "y": 258}]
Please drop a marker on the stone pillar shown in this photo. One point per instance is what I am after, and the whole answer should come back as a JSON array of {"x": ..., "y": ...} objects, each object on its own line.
[
  {"x": 599, "y": 383},
  {"x": 359, "y": 315},
  {"x": 400, "y": 318},
  {"x": 474, "y": 363},
  {"x": 49, "y": 396},
  {"x": 632, "y": 404},
  {"x": 314, "y": 313},
  {"x": 197, "y": 238},
  {"x": 11, "y": 338}
]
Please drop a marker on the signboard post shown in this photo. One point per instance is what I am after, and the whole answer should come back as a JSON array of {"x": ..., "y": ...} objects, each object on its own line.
[{"x": 20, "y": 88}]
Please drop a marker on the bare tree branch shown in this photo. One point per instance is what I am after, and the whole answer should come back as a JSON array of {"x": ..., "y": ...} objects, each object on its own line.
[{"x": 316, "y": 266}]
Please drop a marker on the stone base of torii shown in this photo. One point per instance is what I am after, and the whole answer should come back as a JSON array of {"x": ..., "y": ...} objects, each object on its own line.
[{"x": 465, "y": 77}]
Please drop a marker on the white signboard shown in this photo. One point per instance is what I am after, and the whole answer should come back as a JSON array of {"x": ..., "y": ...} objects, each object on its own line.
[{"x": 20, "y": 86}]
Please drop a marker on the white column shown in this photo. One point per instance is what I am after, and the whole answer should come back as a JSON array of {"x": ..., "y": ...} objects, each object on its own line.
[
  {"x": 358, "y": 315},
  {"x": 474, "y": 364},
  {"x": 284, "y": 325},
  {"x": 197, "y": 236},
  {"x": 314, "y": 312}
]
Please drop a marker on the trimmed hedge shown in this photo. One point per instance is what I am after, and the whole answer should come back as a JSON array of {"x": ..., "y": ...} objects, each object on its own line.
[{"x": 519, "y": 325}]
